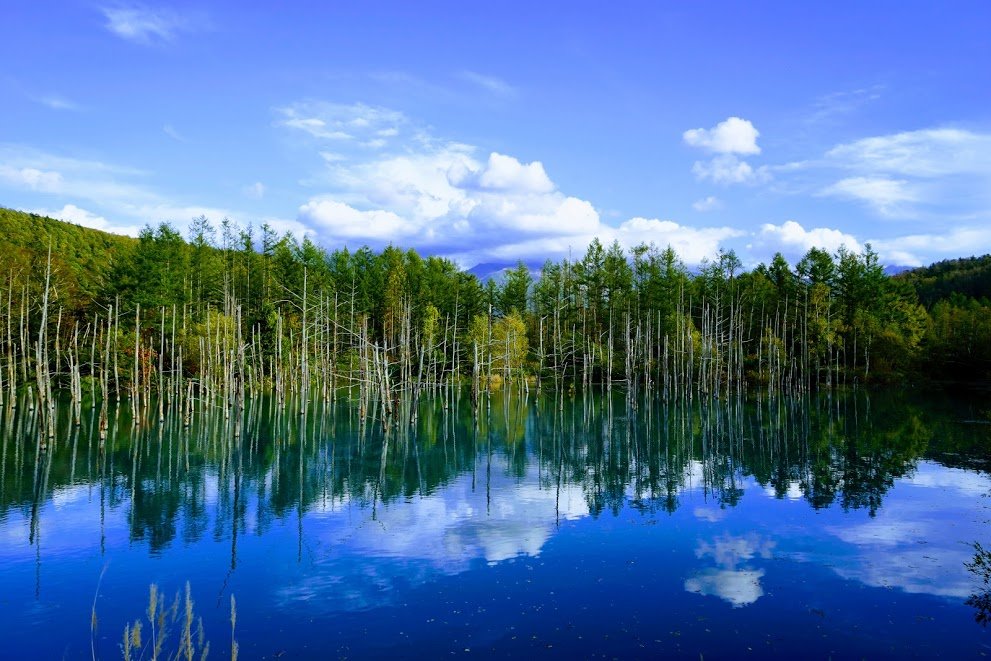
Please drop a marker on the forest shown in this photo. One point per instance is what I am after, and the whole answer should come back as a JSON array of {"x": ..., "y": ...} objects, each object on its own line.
[{"x": 228, "y": 312}]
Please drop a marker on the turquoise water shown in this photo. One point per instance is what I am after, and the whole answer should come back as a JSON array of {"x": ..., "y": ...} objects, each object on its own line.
[{"x": 828, "y": 526}]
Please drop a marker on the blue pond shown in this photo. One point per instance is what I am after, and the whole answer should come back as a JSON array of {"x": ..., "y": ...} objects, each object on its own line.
[{"x": 830, "y": 526}]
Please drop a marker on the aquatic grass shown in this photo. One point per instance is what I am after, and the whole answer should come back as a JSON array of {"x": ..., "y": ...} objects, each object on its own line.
[{"x": 192, "y": 642}]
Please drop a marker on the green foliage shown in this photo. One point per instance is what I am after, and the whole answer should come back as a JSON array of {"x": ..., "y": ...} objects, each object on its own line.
[
  {"x": 829, "y": 319},
  {"x": 83, "y": 259},
  {"x": 969, "y": 277}
]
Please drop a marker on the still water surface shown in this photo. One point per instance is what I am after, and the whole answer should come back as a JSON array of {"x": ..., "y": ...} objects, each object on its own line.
[{"x": 829, "y": 526}]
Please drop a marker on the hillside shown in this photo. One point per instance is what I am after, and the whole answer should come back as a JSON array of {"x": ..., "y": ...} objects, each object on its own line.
[
  {"x": 968, "y": 276},
  {"x": 82, "y": 258}
]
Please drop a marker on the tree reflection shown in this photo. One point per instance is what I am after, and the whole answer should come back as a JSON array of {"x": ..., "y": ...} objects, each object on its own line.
[
  {"x": 980, "y": 566},
  {"x": 223, "y": 477}
]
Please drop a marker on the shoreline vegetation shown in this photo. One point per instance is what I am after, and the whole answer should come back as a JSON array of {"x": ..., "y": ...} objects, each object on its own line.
[{"x": 230, "y": 314}]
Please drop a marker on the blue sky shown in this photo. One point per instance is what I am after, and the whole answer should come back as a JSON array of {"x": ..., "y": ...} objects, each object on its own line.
[{"x": 516, "y": 131}]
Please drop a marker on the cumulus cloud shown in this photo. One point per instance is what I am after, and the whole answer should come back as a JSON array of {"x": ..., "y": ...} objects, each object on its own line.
[
  {"x": 340, "y": 220},
  {"x": 505, "y": 173},
  {"x": 146, "y": 25},
  {"x": 791, "y": 238},
  {"x": 731, "y": 136},
  {"x": 440, "y": 197},
  {"x": 692, "y": 244}
]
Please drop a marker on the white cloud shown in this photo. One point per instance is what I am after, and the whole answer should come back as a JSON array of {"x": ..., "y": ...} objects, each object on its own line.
[
  {"x": 731, "y": 136},
  {"x": 887, "y": 196},
  {"x": 342, "y": 221},
  {"x": 109, "y": 188},
  {"x": 146, "y": 25},
  {"x": 728, "y": 169},
  {"x": 56, "y": 102},
  {"x": 73, "y": 214},
  {"x": 925, "y": 153},
  {"x": 491, "y": 84},
  {"x": 358, "y": 123},
  {"x": 692, "y": 244},
  {"x": 934, "y": 173},
  {"x": 921, "y": 249},
  {"x": 505, "y": 173},
  {"x": 830, "y": 106},
  {"x": 32, "y": 178},
  {"x": 791, "y": 238},
  {"x": 440, "y": 197},
  {"x": 709, "y": 203},
  {"x": 170, "y": 131}
]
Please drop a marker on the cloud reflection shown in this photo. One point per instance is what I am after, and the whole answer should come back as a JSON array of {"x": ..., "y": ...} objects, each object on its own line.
[
  {"x": 731, "y": 580},
  {"x": 443, "y": 533}
]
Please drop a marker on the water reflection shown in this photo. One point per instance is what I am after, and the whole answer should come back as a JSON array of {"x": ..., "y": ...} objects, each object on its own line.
[
  {"x": 746, "y": 486},
  {"x": 732, "y": 578},
  {"x": 224, "y": 476}
]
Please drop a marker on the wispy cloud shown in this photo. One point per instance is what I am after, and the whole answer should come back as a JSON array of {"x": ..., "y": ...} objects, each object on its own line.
[
  {"x": 728, "y": 169},
  {"x": 831, "y": 106},
  {"x": 147, "y": 25},
  {"x": 357, "y": 123},
  {"x": 937, "y": 172},
  {"x": 56, "y": 102},
  {"x": 170, "y": 131},
  {"x": 492, "y": 84},
  {"x": 889, "y": 197},
  {"x": 119, "y": 194},
  {"x": 927, "y": 153}
]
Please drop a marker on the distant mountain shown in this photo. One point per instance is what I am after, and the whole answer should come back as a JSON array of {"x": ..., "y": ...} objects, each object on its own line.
[
  {"x": 497, "y": 270},
  {"x": 895, "y": 269}
]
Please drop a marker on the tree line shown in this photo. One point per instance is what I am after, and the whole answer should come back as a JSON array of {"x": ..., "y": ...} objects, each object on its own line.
[{"x": 227, "y": 312}]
